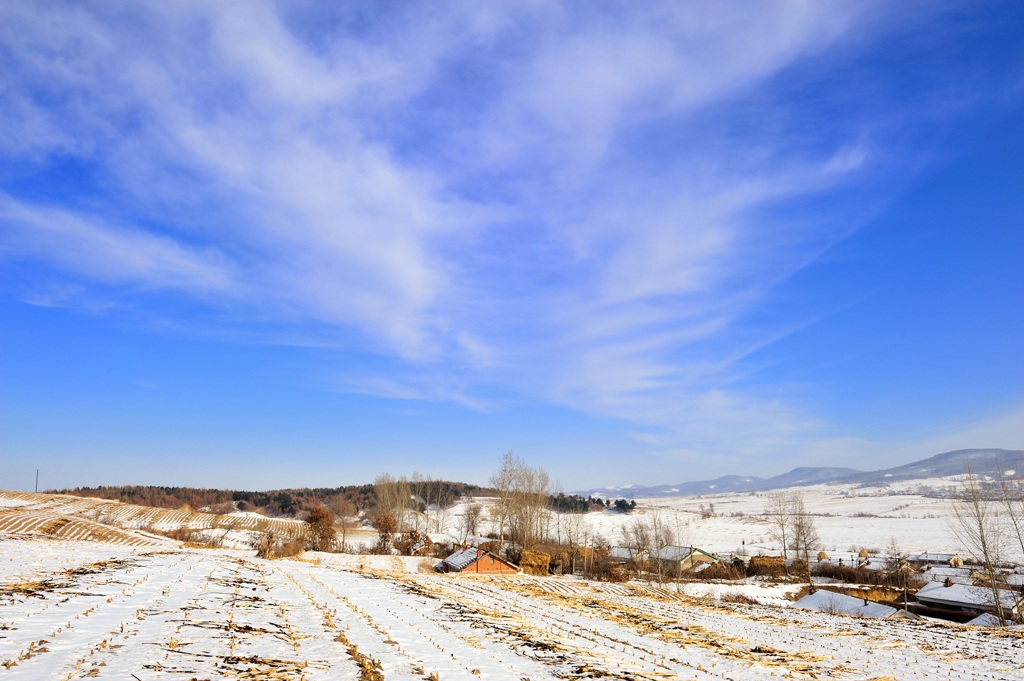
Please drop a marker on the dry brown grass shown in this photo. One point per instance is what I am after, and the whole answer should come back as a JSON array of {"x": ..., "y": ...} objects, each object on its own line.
[{"x": 534, "y": 562}]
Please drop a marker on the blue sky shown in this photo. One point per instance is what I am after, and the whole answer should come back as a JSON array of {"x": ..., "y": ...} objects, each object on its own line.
[{"x": 259, "y": 245}]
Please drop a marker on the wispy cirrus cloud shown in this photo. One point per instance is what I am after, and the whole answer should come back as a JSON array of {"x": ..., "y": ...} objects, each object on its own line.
[
  {"x": 552, "y": 198},
  {"x": 89, "y": 247}
]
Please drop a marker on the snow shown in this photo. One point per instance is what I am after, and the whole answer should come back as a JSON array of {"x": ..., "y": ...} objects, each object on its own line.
[
  {"x": 842, "y": 604},
  {"x": 78, "y": 610},
  {"x": 987, "y": 619},
  {"x": 848, "y": 517},
  {"x": 976, "y": 596}
]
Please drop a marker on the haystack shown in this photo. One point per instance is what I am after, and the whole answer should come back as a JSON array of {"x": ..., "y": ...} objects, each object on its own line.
[
  {"x": 864, "y": 553},
  {"x": 822, "y": 556},
  {"x": 767, "y": 561},
  {"x": 535, "y": 563},
  {"x": 768, "y": 566}
]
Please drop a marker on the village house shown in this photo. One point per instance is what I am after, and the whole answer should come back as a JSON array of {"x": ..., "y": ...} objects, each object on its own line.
[
  {"x": 842, "y": 604},
  {"x": 929, "y": 558},
  {"x": 972, "y": 599},
  {"x": 476, "y": 560},
  {"x": 687, "y": 557}
]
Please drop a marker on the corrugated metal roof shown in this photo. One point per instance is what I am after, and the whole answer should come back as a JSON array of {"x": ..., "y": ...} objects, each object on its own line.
[{"x": 463, "y": 558}]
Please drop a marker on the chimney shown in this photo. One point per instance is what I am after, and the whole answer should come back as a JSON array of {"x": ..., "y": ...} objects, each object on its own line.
[{"x": 949, "y": 582}]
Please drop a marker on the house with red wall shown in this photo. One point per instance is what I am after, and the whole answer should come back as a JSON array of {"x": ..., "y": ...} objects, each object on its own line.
[{"x": 473, "y": 560}]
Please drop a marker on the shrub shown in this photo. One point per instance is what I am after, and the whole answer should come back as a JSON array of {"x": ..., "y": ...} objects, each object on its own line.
[
  {"x": 409, "y": 541},
  {"x": 321, "y": 536},
  {"x": 270, "y": 545},
  {"x": 386, "y": 526}
]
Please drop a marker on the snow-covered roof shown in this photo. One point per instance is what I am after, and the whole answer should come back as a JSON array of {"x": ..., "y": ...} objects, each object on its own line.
[
  {"x": 877, "y": 564},
  {"x": 928, "y": 557},
  {"x": 936, "y": 571},
  {"x": 463, "y": 558},
  {"x": 682, "y": 553},
  {"x": 841, "y": 604},
  {"x": 622, "y": 552},
  {"x": 962, "y": 594}
]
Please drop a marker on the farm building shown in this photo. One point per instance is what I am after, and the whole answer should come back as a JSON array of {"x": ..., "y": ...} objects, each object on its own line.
[
  {"x": 687, "y": 557},
  {"x": 936, "y": 573},
  {"x": 473, "y": 559},
  {"x": 622, "y": 554},
  {"x": 929, "y": 558},
  {"x": 976, "y": 599},
  {"x": 843, "y": 604}
]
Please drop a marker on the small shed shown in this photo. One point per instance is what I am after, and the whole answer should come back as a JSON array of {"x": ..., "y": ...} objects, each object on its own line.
[{"x": 476, "y": 560}]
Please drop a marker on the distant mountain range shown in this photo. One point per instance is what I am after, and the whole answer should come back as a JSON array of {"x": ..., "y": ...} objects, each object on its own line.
[{"x": 939, "y": 466}]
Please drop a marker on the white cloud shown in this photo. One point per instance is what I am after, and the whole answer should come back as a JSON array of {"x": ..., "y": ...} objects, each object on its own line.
[
  {"x": 108, "y": 254},
  {"x": 491, "y": 235}
]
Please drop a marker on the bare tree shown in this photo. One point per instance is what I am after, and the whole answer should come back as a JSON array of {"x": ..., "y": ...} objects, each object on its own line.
[
  {"x": 393, "y": 495},
  {"x": 779, "y": 508},
  {"x": 442, "y": 503},
  {"x": 638, "y": 539},
  {"x": 803, "y": 536},
  {"x": 504, "y": 481},
  {"x": 523, "y": 498},
  {"x": 893, "y": 555},
  {"x": 526, "y": 520},
  {"x": 469, "y": 522},
  {"x": 976, "y": 524},
  {"x": 345, "y": 520},
  {"x": 662, "y": 537},
  {"x": 1010, "y": 487}
]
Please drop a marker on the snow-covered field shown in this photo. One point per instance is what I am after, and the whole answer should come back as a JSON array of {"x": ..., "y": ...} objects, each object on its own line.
[
  {"x": 846, "y": 516},
  {"x": 71, "y": 610}
]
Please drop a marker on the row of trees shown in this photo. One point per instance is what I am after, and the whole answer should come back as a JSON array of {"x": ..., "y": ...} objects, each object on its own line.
[{"x": 418, "y": 502}]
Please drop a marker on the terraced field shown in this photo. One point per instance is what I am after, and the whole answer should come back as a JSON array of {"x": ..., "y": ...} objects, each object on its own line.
[
  {"x": 69, "y": 517},
  {"x": 64, "y": 527},
  {"x": 75, "y": 609}
]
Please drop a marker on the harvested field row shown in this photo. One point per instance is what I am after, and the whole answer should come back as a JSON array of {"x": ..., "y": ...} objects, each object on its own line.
[
  {"x": 184, "y": 614},
  {"x": 129, "y": 516},
  {"x": 63, "y": 527}
]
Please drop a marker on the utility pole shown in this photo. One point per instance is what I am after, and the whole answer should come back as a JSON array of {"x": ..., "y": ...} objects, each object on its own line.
[{"x": 37, "y": 480}]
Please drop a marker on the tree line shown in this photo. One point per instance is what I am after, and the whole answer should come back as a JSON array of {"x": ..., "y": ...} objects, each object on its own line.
[{"x": 280, "y": 503}]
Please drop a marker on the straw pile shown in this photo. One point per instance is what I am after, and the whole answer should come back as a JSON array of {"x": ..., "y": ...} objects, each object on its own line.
[{"x": 535, "y": 563}]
